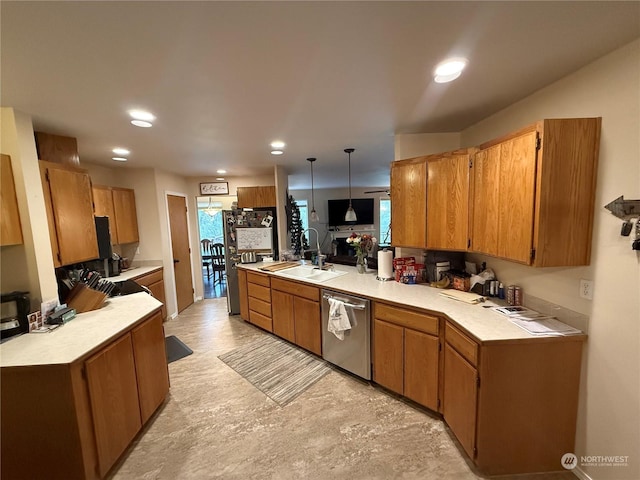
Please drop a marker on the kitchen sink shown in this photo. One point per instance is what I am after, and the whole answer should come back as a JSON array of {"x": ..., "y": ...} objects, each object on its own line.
[{"x": 310, "y": 273}]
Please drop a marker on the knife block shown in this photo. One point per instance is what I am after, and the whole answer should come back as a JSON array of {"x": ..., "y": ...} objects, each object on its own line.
[{"x": 84, "y": 299}]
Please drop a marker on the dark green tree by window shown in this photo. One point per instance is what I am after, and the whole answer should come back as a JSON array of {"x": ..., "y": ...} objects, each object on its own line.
[{"x": 294, "y": 225}]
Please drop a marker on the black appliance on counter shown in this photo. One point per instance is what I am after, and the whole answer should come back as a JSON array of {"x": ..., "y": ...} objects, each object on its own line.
[
  {"x": 109, "y": 266},
  {"x": 14, "y": 308}
]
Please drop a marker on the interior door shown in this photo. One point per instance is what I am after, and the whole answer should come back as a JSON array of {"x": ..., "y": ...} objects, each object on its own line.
[{"x": 180, "y": 250}]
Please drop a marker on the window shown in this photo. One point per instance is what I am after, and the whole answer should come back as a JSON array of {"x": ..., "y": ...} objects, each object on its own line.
[
  {"x": 210, "y": 222},
  {"x": 385, "y": 222},
  {"x": 304, "y": 213}
]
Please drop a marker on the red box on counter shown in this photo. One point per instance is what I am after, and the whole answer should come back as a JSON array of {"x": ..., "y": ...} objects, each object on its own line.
[
  {"x": 400, "y": 261},
  {"x": 410, "y": 274}
]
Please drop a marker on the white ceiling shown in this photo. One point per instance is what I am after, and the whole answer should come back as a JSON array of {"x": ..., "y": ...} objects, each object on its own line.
[{"x": 226, "y": 78}]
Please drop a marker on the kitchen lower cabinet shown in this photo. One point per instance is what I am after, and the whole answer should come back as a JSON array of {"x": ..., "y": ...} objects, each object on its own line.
[
  {"x": 10, "y": 227},
  {"x": 69, "y": 204},
  {"x": 406, "y": 353},
  {"x": 259, "y": 300},
  {"x": 74, "y": 421},
  {"x": 296, "y": 314},
  {"x": 533, "y": 193},
  {"x": 243, "y": 294},
  {"x": 111, "y": 379},
  {"x": 154, "y": 281},
  {"x": 512, "y": 405}
]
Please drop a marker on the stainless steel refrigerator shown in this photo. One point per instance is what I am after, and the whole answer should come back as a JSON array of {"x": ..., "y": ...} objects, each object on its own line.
[{"x": 246, "y": 231}]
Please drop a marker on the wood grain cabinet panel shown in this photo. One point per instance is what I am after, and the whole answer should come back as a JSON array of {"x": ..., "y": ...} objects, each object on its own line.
[
  {"x": 10, "y": 227},
  {"x": 308, "y": 325},
  {"x": 448, "y": 201},
  {"x": 534, "y": 193},
  {"x": 388, "y": 359},
  {"x": 151, "y": 365},
  {"x": 154, "y": 281},
  {"x": 421, "y": 368},
  {"x": 409, "y": 202},
  {"x": 283, "y": 322},
  {"x": 255, "y": 197},
  {"x": 57, "y": 149},
  {"x": 258, "y": 300},
  {"x": 103, "y": 207},
  {"x": 112, "y": 384},
  {"x": 69, "y": 202},
  {"x": 124, "y": 206}
]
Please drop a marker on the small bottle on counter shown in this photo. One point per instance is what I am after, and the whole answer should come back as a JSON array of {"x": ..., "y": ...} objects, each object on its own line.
[
  {"x": 517, "y": 296},
  {"x": 510, "y": 294},
  {"x": 501, "y": 291}
]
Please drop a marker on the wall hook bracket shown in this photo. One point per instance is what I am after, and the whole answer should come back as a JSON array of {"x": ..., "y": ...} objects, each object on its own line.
[{"x": 622, "y": 208}]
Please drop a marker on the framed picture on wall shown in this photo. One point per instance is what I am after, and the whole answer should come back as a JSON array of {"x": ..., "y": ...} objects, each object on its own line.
[{"x": 214, "y": 188}]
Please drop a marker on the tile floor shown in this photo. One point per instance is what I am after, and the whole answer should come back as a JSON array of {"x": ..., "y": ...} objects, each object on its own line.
[{"x": 215, "y": 425}]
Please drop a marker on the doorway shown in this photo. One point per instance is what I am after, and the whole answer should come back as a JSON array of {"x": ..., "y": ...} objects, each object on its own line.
[
  {"x": 211, "y": 231},
  {"x": 181, "y": 252}
]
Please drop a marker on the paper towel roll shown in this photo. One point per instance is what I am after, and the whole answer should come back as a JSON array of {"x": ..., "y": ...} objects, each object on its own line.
[{"x": 385, "y": 264}]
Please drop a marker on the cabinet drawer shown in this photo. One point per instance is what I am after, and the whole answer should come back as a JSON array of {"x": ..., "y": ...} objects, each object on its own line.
[
  {"x": 298, "y": 289},
  {"x": 260, "y": 292},
  {"x": 406, "y": 318},
  {"x": 462, "y": 344},
  {"x": 260, "y": 306},
  {"x": 260, "y": 320},
  {"x": 258, "y": 278},
  {"x": 149, "y": 278}
]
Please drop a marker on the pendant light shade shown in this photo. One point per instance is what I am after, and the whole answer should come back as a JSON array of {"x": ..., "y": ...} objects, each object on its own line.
[
  {"x": 210, "y": 210},
  {"x": 350, "y": 216},
  {"x": 314, "y": 215}
]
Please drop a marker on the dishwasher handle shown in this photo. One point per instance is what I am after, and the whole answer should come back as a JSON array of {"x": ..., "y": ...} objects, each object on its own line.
[{"x": 346, "y": 304}]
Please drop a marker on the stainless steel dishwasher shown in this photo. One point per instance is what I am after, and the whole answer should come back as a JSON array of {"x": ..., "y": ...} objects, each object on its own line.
[{"x": 354, "y": 352}]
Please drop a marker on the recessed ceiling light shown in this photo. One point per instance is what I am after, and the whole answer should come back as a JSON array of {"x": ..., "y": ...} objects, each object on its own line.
[
  {"x": 121, "y": 151},
  {"x": 277, "y": 144},
  {"x": 219, "y": 178},
  {"x": 276, "y": 152},
  {"x": 119, "y": 159},
  {"x": 221, "y": 171},
  {"x": 449, "y": 70},
  {"x": 142, "y": 115},
  {"x": 141, "y": 123}
]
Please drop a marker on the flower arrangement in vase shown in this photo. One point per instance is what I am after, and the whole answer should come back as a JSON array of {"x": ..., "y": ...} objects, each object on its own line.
[{"x": 363, "y": 245}]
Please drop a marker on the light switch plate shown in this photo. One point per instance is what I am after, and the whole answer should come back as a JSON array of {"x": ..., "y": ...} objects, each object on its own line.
[{"x": 586, "y": 289}]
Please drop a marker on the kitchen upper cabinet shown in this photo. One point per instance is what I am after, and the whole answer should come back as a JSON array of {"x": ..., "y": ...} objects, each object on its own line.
[
  {"x": 57, "y": 149},
  {"x": 69, "y": 204},
  {"x": 534, "y": 193},
  {"x": 448, "y": 200},
  {"x": 296, "y": 314},
  {"x": 10, "y": 228},
  {"x": 255, "y": 197},
  {"x": 409, "y": 202},
  {"x": 406, "y": 353},
  {"x": 119, "y": 204}
]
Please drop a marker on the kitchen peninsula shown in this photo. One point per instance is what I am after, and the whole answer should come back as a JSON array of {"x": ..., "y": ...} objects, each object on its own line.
[
  {"x": 509, "y": 397},
  {"x": 74, "y": 399}
]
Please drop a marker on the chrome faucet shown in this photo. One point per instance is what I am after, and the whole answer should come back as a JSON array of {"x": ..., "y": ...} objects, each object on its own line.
[{"x": 320, "y": 256}]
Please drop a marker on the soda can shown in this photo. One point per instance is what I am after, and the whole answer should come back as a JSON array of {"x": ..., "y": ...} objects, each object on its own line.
[
  {"x": 517, "y": 296},
  {"x": 510, "y": 294}
]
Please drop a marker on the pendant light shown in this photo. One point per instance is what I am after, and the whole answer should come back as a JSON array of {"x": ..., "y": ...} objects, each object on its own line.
[
  {"x": 210, "y": 210},
  {"x": 314, "y": 215},
  {"x": 350, "y": 216}
]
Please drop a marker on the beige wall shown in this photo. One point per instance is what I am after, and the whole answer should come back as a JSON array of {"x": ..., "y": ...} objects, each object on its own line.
[
  {"x": 27, "y": 267},
  {"x": 609, "y": 414},
  {"x": 417, "y": 144}
]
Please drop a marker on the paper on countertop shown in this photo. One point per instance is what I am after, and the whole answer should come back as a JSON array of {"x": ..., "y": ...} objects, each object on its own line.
[
  {"x": 546, "y": 327},
  {"x": 466, "y": 297}
]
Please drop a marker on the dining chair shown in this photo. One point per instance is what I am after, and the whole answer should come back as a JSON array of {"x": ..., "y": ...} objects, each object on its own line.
[
  {"x": 206, "y": 256},
  {"x": 217, "y": 262}
]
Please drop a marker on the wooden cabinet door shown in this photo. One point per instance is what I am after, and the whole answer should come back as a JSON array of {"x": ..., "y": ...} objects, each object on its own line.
[
  {"x": 72, "y": 206},
  {"x": 460, "y": 398},
  {"x": 308, "y": 324},
  {"x": 409, "y": 202},
  {"x": 448, "y": 202},
  {"x": 254, "y": 197},
  {"x": 485, "y": 201},
  {"x": 151, "y": 365},
  {"x": 244, "y": 296},
  {"x": 388, "y": 357},
  {"x": 124, "y": 205},
  {"x": 10, "y": 228},
  {"x": 421, "y": 368},
  {"x": 516, "y": 197},
  {"x": 157, "y": 290},
  {"x": 113, "y": 390},
  {"x": 282, "y": 313},
  {"x": 103, "y": 207}
]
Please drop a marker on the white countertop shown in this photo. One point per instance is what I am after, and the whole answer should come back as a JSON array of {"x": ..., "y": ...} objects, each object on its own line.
[
  {"x": 484, "y": 324},
  {"x": 134, "y": 272},
  {"x": 81, "y": 335}
]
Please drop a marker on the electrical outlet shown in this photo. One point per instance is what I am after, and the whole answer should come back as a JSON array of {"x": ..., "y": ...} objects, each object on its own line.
[{"x": 586, "y": 289}]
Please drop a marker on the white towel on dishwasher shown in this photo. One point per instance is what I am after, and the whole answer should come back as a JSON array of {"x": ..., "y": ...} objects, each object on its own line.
[{"x": 338, "y": 318}]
